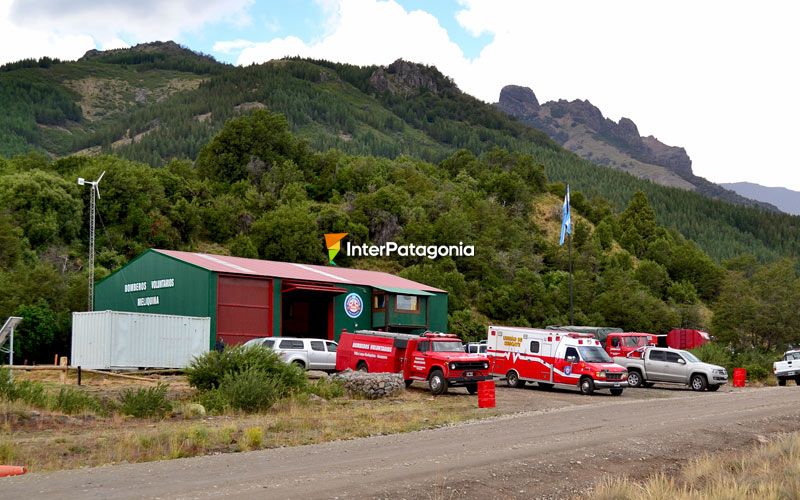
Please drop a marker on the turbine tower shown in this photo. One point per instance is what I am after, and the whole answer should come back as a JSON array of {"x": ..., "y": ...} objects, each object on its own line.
[{"x": 95, "y": 189}]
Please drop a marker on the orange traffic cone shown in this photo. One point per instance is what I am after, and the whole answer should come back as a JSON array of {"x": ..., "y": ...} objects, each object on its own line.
[{"x": 12, "y": 470}]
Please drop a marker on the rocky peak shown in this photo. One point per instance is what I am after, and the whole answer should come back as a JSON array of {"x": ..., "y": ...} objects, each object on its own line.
[
  {"x": 169, "y": 48},
  {"x": 518, "y": 101},
  {"x": 405, "y": 78}
]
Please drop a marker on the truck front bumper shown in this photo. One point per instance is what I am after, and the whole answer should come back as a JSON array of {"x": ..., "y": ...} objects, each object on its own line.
[
  {"x": 610, "y": 384},
  {"x": 787, "y": 373},
  {"x": 457, "y": 381}
]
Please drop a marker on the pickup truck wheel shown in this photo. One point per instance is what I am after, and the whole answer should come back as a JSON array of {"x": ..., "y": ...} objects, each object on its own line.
[
  {"x": 781, "y": 382},
  {"x": 634, "y": 379},
  {"x": 472, "y": 388},
  {"x": 512, "y": 379},
  {"x": 616, "y": 391},
  {"x": 408, "y": 383},
  {"x": 299, "y": 364},
  {"x": 698, "y": 382},
  {"x": 587, "y": 386},
  {"x": 437, "y": 383},
  {"x": 797, "y": 380},
  {"x": 362, "y": 367},
  {"x": 713, "y": 387}
]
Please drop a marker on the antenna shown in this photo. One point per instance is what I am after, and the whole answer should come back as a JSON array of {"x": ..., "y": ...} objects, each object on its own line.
[{"x": 95, "y": 189}]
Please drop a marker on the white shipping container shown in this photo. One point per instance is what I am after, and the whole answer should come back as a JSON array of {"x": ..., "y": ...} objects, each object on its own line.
[{"x": 119, "y": 340}]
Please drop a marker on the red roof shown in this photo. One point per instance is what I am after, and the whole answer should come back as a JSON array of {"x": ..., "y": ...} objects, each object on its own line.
[{"x": 289, "y": 270}]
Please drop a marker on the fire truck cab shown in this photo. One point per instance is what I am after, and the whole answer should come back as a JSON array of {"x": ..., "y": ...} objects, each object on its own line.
[
  {"x": 437, "y": 358},
  {"x": 550, "y": 358},
  {"x": 622, "y": 344}
]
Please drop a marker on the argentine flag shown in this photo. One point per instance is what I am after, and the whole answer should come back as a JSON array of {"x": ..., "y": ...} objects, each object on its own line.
[{"x": 566, "y": 219}]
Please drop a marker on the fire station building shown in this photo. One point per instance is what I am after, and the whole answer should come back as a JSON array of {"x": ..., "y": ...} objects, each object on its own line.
[{"x": 249, "y": 298}]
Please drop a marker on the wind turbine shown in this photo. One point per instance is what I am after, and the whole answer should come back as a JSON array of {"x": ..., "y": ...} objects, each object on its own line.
[{"x": 95, "y": 190}]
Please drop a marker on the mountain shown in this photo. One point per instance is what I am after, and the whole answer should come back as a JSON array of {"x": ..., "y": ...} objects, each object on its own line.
[
  {"x": 785, "y": 199},
  {"x": 580, "y": 127},
  {"x": 159, "y": 102}
]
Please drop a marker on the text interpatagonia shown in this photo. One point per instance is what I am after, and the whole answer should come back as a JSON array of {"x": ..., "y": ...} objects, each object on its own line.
[{"x": 410, "y": 250}]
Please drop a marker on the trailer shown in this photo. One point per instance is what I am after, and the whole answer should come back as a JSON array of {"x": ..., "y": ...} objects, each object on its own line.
[{"x": 108, "y": 340}]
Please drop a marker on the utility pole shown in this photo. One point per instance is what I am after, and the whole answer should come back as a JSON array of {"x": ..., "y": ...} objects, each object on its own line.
[{"x": 95, "y": 189}]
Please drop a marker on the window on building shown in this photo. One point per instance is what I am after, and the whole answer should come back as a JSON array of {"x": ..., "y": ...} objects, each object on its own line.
[
  {"x": 317, "y": 345},
  {"x": 407, "y": 303},
  {"x": 379, "y": 302}
]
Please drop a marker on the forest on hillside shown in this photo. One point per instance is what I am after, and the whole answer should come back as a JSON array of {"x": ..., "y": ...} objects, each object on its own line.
[
  {"x": 259, "y": 190},
  {"x": 333, "y": 106}
]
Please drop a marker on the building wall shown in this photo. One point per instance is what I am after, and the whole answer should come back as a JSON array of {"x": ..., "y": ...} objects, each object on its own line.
[
  {"x": 181, "y": 288},
  {"x": 437, "y": 312},
  {"x": 341, "y": 320}
]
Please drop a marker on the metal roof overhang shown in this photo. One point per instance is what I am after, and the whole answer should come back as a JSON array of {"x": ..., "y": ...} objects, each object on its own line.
[
  {"x": 289, "y": 287},
  {"x": 404, "y": 291}
]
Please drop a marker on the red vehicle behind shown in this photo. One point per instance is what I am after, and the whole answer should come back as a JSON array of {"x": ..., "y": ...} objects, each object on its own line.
[
  {"x": 622, "y": 344},
  {"x": 437, "y": 358},
  {"x": 550, "y": 358},
  {"x": 684, "y": 338}
]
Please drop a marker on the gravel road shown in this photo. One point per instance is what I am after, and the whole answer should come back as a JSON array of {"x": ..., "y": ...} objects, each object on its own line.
[{"x": 549, "y": 452}]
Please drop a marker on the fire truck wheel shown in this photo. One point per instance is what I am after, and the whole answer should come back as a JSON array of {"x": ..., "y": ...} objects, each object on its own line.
[
  {"x": 362, "y": 367},
  {"x": 408, "y": 383},
  {"x": 437, "y": 383},
  {"x": 634, "y": 379},
  {"x": 472, "y": 388},
  {"x": 587, "y": 386},
  {"x": 698, "y": 382},
  {"x": 512, "y": 379},
  {"x": 616, "y": 392}
]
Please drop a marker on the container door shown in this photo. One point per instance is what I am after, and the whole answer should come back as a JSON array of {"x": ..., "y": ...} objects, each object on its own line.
[{"x": 244, "y": 309}]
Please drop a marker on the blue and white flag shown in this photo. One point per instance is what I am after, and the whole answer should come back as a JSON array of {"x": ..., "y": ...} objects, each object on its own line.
[{"x": 566, "y": 219}]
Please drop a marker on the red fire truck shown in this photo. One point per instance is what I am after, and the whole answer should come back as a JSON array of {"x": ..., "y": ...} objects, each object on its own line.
[
  {"x": 551, "y": 358},
  {"x": 622, "y": 344},
  {"x": 437, "y": 358}
]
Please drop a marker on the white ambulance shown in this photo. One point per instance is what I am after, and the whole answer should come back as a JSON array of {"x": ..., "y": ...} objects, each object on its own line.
[{"x": 551, "y": 358}]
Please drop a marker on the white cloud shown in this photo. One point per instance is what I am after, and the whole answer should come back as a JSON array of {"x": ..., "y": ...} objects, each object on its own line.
[
  {"x": 717, "y": 77},
  {"x": 229, "y": 46},
  {"x": 68, "y": 28}
]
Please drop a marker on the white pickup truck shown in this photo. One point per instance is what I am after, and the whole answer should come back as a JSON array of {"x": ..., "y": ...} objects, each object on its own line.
[{"x": 788, "y": 367}]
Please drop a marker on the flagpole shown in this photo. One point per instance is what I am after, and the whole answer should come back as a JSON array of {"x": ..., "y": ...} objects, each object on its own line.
[{"x": 569, "y": 257}]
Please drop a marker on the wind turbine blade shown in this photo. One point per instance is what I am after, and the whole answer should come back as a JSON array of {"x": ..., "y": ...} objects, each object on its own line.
[
  {"x": 101, "y": 176},
  {"x": 97, "y": 188}
]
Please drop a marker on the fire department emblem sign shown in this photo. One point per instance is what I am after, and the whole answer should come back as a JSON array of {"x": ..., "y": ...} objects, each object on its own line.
[
  {"x": 353, "y": 305},
  {"x": 568, "y": 370}
]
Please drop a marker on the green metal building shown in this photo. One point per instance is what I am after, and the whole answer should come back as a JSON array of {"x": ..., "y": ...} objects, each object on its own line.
[{"x": 249, "y": 298}]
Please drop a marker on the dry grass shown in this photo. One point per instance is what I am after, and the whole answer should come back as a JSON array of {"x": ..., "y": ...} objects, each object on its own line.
[
  {"x": 47, "y": 441},
  {"x": 770, "y": 471}
]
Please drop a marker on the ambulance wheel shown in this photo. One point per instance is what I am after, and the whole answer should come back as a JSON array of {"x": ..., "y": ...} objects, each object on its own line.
[
  {"x": 408, "y": 383},
  {"x": 437, "y": 383},
  {"x": 472, "y": 388},
  {"x": 698, "y": 383},
  {"x": 616, "y": 391},
  {"x": 587, "y": 386},
  {"x": 362, "y": 367},
  {"x": 634, "y": 379},
  {"x": 512, "y": 379}
]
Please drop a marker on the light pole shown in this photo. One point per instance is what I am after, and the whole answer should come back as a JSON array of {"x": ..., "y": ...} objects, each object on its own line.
[{"x": 95, "y": 189}]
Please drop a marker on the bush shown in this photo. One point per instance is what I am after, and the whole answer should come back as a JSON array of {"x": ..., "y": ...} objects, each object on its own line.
[
  {"x": 6, "y": 384},
  {"x": 250, "y": 391},
  {"x": 71, "y": 401},
  {"x": 143, "y": 403},
  {"x": 757, "y": 363},
  {"x": 327, "y": 388},
  {"x": 207, "y": 371},
  {"x": 213, "y": 401},
  {"x": 715, "y": 354},
  {"x": 32, "y": 393},
  {"x": 252, "y": 438}
]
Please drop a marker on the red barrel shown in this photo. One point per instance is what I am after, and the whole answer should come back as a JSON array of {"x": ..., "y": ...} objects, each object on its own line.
[
  {"x": 739, "y": 377},
  {"x": 12, "y": 470},
  {"x": 486, "y": 394}
]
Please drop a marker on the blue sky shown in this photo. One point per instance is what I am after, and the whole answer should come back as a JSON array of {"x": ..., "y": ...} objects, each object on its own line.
[{"x": 702, "y": 75}]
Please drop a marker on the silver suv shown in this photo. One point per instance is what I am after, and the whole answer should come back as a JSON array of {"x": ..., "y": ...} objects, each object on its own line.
[{"x": 310, "y": 354}]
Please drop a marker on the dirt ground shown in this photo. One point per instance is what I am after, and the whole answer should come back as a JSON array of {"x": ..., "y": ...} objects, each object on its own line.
[{"x": 546, "y": 444}]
